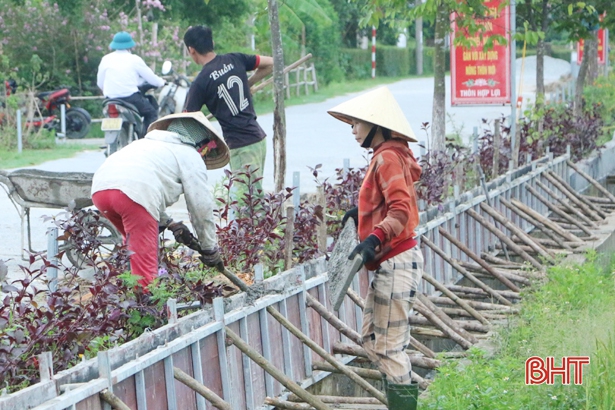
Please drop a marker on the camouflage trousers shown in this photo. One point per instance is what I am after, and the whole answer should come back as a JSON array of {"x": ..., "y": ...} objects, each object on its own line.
[
  {"x": 252, "y": 155},
  {"x": 386, "y": 331}
]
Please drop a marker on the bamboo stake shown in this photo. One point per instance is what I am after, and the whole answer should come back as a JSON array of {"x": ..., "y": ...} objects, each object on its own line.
[
  {"x": 422, "y": 348},
  {"x": 368, "y": 373},
  {"x": 201, "y": 389},
  {"x": 573, "y": 197},
  {"x": 570, "y": 189},
  {"x": 365, "y": 373},
  {"x": 321, "y": 230},
  {"x": 454, "y": 335},
  {"x": 482, "y": 293},
  {"x": 477, "y": 305},
  {"x": 287, "y": 405},
  {"x": 566, "y": 205},
  {"x": 429, "y": 332},
  {"x": 497, "y": 137},
  {"x": 288, "y": 237},
  {"x": 509, "y": 243},
  {"x": 519, "y": 232},
  {"x": 501, "y": 262},
  {"x": 479, "y": 273},
  {"x": 463, "y": 324},
  {"x": 356, "y": 298},
  {"x": 460, "y": 312},
  {"x": 312, "y": 302},
  {"x": 531, "y": 251},
  {"x": 551, "y": 244},
  {"x": 464, "y": 272},
  {"x": 515, "y": 273},
  {"x": 115, "y": 401},
  {"x": 592, "y": 181},
  {"x": 273, "y": 371},
  {"x": 462, "y": 303},
  {"x": 552, "y": 225},
  {"x": 415, "y": 360},
  {"x": 478, "y": 260},
  {"x": 341, "y": 399},
  {"x": 537, "y": 224},
  {"x": 325, "y": 355},
  {"x": 556, "y": 210},
  {"x": 445, "y": 318},
  {"x": 597, "y": 199}
]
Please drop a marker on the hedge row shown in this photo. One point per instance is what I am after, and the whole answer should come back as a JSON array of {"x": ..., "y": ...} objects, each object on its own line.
[{"x": 393, "y": 61}]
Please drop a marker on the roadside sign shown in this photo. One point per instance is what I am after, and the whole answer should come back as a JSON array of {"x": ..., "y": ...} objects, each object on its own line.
[
  {"x": 602, "y": 33},
  {"x": 479, "y": 76}
]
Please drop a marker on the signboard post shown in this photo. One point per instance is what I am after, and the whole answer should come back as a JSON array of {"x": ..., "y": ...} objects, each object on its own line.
[{"x": 480, "y": 76}]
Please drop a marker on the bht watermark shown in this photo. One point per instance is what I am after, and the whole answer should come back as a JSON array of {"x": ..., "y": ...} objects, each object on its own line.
[{"x": 539, "y": 371}]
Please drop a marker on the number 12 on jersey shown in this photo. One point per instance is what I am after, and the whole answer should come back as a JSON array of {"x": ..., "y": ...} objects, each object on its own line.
[{"x": 223, "y": 93}]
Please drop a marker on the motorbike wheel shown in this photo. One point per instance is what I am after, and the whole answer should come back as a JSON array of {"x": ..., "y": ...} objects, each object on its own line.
[
  {"x": 78, "y": 123},
  {"x": 109, "y": 237},
  {"x": 167, "y": 106}
]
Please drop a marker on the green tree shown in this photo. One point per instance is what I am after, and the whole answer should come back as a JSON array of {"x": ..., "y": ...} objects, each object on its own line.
[
  {"x": 581, "y": 20},
  {"x": 469, "y": 16}
]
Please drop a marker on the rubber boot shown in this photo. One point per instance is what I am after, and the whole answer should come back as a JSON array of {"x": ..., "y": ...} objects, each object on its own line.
[{"x": 402, "y": 396}]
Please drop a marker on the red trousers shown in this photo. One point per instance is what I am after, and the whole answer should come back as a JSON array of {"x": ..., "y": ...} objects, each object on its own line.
[{"x": 138, "y": 228}]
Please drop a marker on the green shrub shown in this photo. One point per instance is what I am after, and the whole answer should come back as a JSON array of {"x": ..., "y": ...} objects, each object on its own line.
[
  {"x": 602, "y": 93},
  {"x": 392, "y": 61},
  {"x": 356, "y": 63}
]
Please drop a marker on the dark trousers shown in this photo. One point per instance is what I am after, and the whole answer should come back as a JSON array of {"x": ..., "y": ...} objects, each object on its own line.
[{"x": 146, "y": 110}]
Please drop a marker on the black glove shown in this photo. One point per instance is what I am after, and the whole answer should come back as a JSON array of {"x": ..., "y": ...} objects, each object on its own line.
[
  {"x": 367, "y": 249},
  {"x": 351, "y": 213},
  {"x": 181, "y": 233},
  {"x": 212, "y": 258},
  {"x": 162, "y": 226}
]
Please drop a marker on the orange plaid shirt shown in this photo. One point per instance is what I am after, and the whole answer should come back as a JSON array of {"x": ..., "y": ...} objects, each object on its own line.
[{"x": 387, "y": 200}]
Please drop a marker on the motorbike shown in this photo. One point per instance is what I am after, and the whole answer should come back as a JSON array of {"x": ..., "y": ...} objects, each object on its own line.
[
  {"x": 122, "y": 123},
  {"x": 77, "y": 119},
  {"x": 173, "y": 94}
]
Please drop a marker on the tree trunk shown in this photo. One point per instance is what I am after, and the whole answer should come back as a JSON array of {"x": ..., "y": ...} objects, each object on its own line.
[
  {"x": 438, "y": 120},
  {"x": 418, "y": 36},
  {"x": 540, "y": 59},
  {"x": 279, "y": 115},
  {"x": 589, "y": 45},
  {"x": 592, "y": 57},
  {"x": 540, "y": 73},
  {"x": 140, "y": 26}
]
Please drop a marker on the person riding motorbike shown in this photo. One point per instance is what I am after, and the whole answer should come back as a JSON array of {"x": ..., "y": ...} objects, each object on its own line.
[{"x": 120, "y": 73}]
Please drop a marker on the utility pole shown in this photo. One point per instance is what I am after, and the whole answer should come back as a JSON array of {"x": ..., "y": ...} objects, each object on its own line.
[{"x": 513, "y": 85}]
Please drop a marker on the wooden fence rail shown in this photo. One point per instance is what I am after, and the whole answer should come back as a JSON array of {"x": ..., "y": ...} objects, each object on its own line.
[{"x": 143, "y": 373}]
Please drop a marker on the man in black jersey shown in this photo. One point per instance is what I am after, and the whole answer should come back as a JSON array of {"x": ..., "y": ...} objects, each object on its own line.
[{"x": 224, "y": 87}]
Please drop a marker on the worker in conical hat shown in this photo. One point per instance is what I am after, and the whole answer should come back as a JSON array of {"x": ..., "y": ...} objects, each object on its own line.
[
  {"x": 135, "y": 185},
  {"x": 387, "y": 216}
]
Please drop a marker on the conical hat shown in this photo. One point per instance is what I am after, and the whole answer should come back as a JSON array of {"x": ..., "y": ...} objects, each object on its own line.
[
  {"x": 216, "y": 157},
  {"x": 377, "y": 107}
]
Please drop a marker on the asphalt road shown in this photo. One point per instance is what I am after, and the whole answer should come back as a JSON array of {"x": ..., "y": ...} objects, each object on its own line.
[{"x": 313, "y": 137}]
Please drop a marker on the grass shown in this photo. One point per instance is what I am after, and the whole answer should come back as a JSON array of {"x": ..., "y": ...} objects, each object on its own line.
[
  {"x": 572, "y": 314},
  {"x": 28, "y": 157}
]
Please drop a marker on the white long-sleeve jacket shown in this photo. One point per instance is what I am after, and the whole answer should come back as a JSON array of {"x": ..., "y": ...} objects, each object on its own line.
[
  {"x": 120, "y": 73},
  {"x": 154, "y": 172}
]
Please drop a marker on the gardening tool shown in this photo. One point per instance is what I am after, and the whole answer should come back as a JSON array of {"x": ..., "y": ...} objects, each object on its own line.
[{"x": 341, "y": 272}]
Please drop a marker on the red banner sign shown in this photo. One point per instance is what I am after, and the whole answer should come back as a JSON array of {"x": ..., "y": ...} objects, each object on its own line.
[
  {"x": 601, "y": 48},
  {"x": 481, "y": 76}
]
